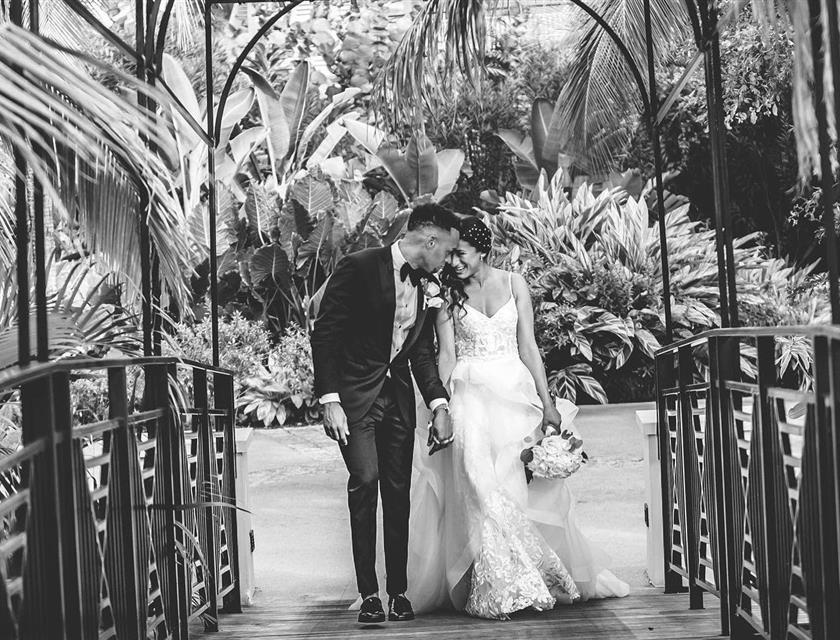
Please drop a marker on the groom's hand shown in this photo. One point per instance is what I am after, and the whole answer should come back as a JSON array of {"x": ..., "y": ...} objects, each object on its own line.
[
  {"x": 335, "y": 422},
  {"x": 440, "y": 432}
]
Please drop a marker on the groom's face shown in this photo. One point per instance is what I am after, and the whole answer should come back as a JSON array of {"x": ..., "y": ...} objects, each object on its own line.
[{"x": 440, "y": 243}]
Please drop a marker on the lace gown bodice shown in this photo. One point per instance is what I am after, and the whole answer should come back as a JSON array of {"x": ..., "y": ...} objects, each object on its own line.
[{"x": 483, "y": 337}]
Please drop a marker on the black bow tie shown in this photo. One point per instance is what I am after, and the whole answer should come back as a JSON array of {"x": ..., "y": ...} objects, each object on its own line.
[{"x": 416, "y": 275}]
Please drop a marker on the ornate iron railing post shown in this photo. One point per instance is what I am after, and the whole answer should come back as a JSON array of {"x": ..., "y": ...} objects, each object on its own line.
[
  {"x": 224, "y": 401},
  {"x": 168, "y": 517},
  {"x": 690, "y": 490},
  {"x": 820, "y": 476},
  {"x": 43, "y": 581},
  {"x": 723, "y": 366},
  {"x": 665, "y": 381},
  {"x": 127, "y": 551},
  {"x": 205, "y": 492},
  {"x": 772, "y": 503}
]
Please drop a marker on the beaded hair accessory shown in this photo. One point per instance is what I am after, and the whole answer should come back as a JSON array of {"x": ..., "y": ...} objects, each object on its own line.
[{"x": 477, "y": 234}]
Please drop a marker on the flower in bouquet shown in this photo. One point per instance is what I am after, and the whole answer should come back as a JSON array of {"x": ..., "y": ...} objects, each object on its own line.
[{"x": 555, "y": 456}]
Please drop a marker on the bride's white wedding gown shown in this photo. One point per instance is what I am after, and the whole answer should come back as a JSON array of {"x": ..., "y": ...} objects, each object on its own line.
[{"x": 482, "y": 540}]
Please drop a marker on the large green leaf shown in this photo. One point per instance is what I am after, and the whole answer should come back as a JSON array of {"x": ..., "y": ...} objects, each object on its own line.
[
  {"x": 384, "y": 207},
  {"x": 541, "y": 113},
  {"x": 422, "y": 160},
  {"x": 449, "y": 163},
  {"x": 369, "y": 137},
  {"x": 260, "y": 210},
  {"x": 339, "y": 102},
  {"x": 318, "y": 244},
  {"x": 238, "y": 105},
  {"x": 270, "y": 266},
  {"x": 354, "y": 203},
  {"x": 398, "y": 168},
  {"x": 525, "y": 164},
  {"x": 243, "y": 145},
  {"x": 273, "y": 117},
  {"x": 293, "y": 99},
  {"x": 181, "y": 86},
  {"x": 396, "y": 227},
  {"x": 313, "y": 195}
]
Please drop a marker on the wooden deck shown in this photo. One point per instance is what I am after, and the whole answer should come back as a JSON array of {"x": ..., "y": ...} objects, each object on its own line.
[{"x": 646, "y": 614}]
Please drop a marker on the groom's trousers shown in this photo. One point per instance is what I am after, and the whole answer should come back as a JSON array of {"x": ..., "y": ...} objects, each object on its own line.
[{"x": 378, "y": 456}]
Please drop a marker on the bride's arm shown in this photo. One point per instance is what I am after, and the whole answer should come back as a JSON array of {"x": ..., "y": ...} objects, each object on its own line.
[
  {"x": 529, "y": 353},
  {"x": 446, "y": 344}
]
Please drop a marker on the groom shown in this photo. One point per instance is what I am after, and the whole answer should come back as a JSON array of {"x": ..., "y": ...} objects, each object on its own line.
[{"x": 373, "y": 322}]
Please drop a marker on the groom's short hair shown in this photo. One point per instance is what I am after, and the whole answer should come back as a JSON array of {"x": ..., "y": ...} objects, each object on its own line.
[{"x": 431, "y": 214}]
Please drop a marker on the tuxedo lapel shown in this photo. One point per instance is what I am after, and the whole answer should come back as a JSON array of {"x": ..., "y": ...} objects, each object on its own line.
[
  {"x": 418, "y": 322},
  {"x": 389, "y": 295}
]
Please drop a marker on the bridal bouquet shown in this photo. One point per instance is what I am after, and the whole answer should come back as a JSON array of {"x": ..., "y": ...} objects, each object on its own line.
[{"x": 555, "y": 456}]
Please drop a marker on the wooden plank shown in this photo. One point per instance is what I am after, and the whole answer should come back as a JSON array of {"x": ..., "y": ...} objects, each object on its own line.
[{"x": 647, "y": 614}]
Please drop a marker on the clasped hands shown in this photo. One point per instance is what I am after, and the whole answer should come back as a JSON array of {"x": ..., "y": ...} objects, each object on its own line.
[{"x": 440, "y": 430}]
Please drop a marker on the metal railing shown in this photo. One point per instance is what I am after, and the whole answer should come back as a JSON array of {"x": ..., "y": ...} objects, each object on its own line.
[
  {"x": 750, "y": 467},
  {"x": 120, "y": 528}
]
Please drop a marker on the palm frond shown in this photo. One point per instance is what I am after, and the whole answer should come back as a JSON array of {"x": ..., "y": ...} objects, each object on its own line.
[
  {"x": 91, "y": 149},
  {"x": 83, "y": 313},
  {"x": 417, "y": 75},
  {"x": 601, "y": 91},
  {"x": 796, "y": 18}
]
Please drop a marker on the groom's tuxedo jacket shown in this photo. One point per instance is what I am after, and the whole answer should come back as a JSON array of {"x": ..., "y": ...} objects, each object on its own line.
[{"x": 351, "y": 341}]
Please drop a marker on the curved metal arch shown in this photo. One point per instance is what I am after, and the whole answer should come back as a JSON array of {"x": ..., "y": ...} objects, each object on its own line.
[
  {"x": 160, "y": 43},
  {"x": 240, "y": 60},
  {"x": 625, "y": 52},
  {"x": 694, "y": 16}
]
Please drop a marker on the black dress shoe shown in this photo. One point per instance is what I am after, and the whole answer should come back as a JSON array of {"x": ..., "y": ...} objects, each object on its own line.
[
  {"x": 372, "y": 611},
  {"x": 399, "y": 609}
]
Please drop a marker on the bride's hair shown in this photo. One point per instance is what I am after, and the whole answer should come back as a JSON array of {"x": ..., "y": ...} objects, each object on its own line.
[{"x": 475, "y": 233}]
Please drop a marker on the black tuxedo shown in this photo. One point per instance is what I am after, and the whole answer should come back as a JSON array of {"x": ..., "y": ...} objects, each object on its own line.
[{"x": 351, "y": 350}]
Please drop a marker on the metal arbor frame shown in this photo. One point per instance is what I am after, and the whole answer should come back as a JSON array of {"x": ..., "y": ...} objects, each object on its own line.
[
  {"x": 703, "y": 487},
  {"x": 152, "y": 20}
]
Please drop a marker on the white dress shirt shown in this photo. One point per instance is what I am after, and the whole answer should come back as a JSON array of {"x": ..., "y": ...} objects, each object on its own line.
[{"x": 405, "y": 315}]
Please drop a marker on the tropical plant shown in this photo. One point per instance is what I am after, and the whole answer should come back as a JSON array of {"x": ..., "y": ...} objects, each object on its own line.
[
  {"x": 528, "y": 148},
  {"x": 418, "y": 171},
  {"x": 84, "y": 314},
  {"x": 596, "y": 273},
  {"x": 244, "y": 345},
  {"x": 283, "y": 390},
  {"x": 90, "y": 149}
]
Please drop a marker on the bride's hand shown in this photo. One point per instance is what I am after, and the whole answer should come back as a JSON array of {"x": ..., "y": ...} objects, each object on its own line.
[{"x": 551, "y": 420}]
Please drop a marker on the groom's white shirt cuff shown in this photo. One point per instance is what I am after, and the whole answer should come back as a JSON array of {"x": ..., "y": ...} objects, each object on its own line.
[
  {"x": 437, "y": 402},
  {"x": 334, "y": 397}
]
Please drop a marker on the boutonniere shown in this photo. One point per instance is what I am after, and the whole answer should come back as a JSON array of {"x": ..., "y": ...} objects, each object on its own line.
[{"x": 432, "y": 294}]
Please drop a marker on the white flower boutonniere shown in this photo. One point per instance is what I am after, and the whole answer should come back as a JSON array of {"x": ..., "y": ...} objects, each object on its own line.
[{"x": 432, "y": 298}]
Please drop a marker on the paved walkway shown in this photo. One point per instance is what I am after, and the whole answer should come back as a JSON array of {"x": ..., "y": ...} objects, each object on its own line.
[
  {"x": 297, "y": 486},
  {"x": 304, "y": 570}
]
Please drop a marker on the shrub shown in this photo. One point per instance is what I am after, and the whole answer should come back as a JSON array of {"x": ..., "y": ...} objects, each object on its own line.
[
  {"x": 283, "y": 390},
  {"x": 594, "y": 265}
]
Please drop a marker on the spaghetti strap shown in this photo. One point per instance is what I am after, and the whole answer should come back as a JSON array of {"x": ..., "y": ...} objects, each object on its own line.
[{"x": 510, "y": 283}]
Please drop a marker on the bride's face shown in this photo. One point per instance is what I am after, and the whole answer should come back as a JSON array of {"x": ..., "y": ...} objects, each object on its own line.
[{"x": 465, "y": 260}]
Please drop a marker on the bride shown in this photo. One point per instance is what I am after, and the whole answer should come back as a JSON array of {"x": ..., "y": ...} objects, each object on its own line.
[{"x": 482, "y": 539}]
